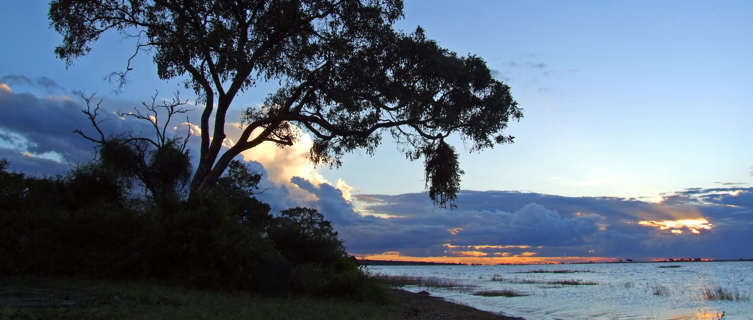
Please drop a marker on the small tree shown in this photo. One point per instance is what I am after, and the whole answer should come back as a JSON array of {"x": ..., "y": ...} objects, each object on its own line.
[
  {"x": 304, "y": 236},
  {"x": 346, "y": 76},
  {"x": 161, "y": 163}
]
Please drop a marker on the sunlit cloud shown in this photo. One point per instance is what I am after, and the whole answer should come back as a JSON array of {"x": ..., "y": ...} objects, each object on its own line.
[
  {"x": 345, "y": 189},
  {"x": 282, "y": 164},
  {"x": 487, "y": 260},
  {"x": 21, "y": 144},
  {"x": 676, "y": 226},
  {"x": 372, "y": 213},
  {"x": 454, "y": 231},
  {"x": 471, "y": 253},
  {"x": 49, "y": 155},
  {"x": 5, "y": 88}
]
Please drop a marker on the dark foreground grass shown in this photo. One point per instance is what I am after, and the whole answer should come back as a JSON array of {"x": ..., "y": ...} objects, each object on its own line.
[
  {"x": 35, "y": 298},
  {"x": 500, "y": 293}
]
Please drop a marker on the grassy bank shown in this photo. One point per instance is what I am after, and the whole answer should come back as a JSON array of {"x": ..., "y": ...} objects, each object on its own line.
[{"x": 59, "y": 298}]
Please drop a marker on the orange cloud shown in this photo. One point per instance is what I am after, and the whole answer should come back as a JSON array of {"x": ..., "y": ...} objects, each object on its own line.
[
  {"x": 471, "y": 253},
  {"x": 5, "y": 88},
  {"x": 454, "y": 231},
  {"x": 489, "y": 260}
]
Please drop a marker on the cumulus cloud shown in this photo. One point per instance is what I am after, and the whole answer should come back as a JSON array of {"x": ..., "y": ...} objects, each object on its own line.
[
  {"x": 714, "y": 223},
  {"x": 36, "y": 137}
]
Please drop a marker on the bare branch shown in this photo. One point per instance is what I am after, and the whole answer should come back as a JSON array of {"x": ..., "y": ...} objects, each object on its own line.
[{"x": 91, "y": 114}]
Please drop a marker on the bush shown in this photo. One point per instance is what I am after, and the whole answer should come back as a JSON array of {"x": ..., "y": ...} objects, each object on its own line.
[
  {"x": 80, "y": 225},
  {"x": 86, "y": 225},
  {"x": 322, "y": 266}
]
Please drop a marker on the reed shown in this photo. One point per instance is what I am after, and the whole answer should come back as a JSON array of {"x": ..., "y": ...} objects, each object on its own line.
[
  {"x": 429, "y": 282},
  {"x": 721, "y": 293},
  {"x": 500, "y": 293}
]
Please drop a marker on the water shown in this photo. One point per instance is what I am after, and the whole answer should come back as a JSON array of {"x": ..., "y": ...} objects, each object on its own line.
[{"x": 623, "y": 291}]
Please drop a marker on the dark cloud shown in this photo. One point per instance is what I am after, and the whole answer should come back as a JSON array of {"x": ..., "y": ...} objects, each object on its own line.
[
  {"x": 42, "y": 128},
  {"x": 560, "y": 226},
  {"x": 36, "y": 137},
  {"x": 43, "y": 83}
]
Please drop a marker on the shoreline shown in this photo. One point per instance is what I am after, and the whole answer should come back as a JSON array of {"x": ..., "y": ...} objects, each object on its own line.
[{"x": 418, "y": 306}]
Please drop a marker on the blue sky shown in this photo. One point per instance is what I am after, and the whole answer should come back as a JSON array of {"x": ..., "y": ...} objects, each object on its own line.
[
  {"x": 628, "y": 99},
  {"x": 621, "y": 98}
]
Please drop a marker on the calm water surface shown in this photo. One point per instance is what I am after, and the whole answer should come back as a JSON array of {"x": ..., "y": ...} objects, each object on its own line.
[{"x": 622, "y": 291}]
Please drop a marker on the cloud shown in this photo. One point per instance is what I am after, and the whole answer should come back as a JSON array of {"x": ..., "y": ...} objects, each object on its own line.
[
  {"x": 36, "y": 137},
  {"x": 44, "y": 83},
  {"x": 716, "y": 223},
  {"x": 34, "y": 129},
  {"x": 42, "y": 128},
  {"x": 5, "y": 89}
]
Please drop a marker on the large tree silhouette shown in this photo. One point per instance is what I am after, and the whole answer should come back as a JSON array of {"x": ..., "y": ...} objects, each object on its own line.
[{"x": 346, "y": 76}]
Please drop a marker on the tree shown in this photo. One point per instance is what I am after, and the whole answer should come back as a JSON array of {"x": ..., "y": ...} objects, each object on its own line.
[
  {"x": 346, "y": 76},
  {"x": 162, "y": 163}
]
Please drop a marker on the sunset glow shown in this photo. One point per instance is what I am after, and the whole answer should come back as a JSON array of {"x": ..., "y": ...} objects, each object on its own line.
[
  {"x": 486, "y": 260},
  {"x": 675, "y": 226}
]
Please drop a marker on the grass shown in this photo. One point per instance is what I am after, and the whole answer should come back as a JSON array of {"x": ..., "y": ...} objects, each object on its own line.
[
  {"x": 550, "y": 282},
  {"x": 500, "y": 293},
  {"x": 661, "y": 291},
  {"x": 521, "y": 281},
  {"x": 429, "y": 282},
  {"x": 35, "y": 298},
  {"x": 555, "y": 271},
  {"x": 573, "y": 282},
  {"x": 720, "y": 293}
]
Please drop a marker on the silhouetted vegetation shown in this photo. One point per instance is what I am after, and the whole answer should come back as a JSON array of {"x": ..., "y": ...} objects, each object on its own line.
[
  {"x": 555, "y": 271},
  {"x": 660, "y": 290},
  {"x": 721, "y": 293},
  {"x": 500, "y": 293},
  {"x": 429, "y": 282},
  {"x": 567, "y": 282},
  {"x": 89, "y": 223}
]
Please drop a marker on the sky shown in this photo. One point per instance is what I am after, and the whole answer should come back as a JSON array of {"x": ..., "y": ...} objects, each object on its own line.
[{"x": 635, "y": 140}]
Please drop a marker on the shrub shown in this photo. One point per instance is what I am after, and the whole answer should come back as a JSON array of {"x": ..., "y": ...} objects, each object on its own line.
[
  {"x": 85, "y": 225},
  {"x": 321, "y": 265}
]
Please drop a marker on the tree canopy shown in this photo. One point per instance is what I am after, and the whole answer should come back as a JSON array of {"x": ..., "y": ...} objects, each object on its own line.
[{"x": 346, "y": 76}]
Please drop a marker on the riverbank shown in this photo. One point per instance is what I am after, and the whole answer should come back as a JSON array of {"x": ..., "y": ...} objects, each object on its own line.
[{"x": 58, "y": 298}]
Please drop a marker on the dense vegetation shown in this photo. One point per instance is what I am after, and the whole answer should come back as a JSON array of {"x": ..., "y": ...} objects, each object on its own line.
[{"x": 95, "y": 222}]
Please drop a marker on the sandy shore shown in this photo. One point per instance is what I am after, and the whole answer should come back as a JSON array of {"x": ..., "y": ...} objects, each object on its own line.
[{"x": 426, "y": 307}]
